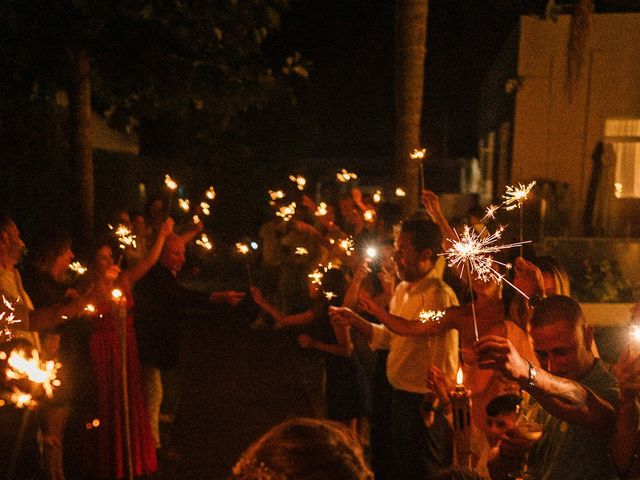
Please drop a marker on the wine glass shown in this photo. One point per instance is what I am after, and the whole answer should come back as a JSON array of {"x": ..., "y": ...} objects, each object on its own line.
[{"x": 528, "y": 429}]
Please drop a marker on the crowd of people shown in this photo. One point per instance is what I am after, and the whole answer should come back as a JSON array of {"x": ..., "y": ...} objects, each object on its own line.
[{"x": 394, "y": 325}]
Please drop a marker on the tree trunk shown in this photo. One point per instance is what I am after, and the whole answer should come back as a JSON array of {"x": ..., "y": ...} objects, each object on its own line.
[
  {"x": 410, "y": 51},
  {"x": 80, "y": 141}
]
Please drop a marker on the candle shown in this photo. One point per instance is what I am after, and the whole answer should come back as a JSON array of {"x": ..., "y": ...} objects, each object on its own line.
[{"x": 461, "y": 408}]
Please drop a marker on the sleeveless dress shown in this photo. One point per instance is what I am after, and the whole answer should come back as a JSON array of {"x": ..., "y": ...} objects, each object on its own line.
[
  {"x": 348, "y": 392},
  {"x": 105, "y": 441}
]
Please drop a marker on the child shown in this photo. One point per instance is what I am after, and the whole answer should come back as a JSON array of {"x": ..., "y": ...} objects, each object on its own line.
[{"x": 502, "y": 415}]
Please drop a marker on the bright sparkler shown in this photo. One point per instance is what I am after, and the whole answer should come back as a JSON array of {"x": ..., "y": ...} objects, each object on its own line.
[
  {"x": 400, "y": 192},
  {"x": 430, "y": 315},
  {"x": 299, "y": 180},
  {"x": 369, "y": 215},
  {"x": 205, "y": 208},
  {"x": 276, "y": 194},
  {"x": 330, "y": 295},
  {"x": 371, "y": 252},
  {"x": 419, "y": 156},
  {"x": 344, "y": 176},
  {"x": 78, "y": 268},
  {"x": 7, "y": 318},
  {"x": 170, "y": 183},
  {"x": 124, "y": 236},
  {"x": 210, "y": 193},
  {"x": 514, "y": 197},
  {"x": 90, "y": 309},
  {"x": 321, "y": 210},
  {"x": 34, "y": 370},
  {"x": 184, "y": 204},
  {"x": 204, "y": 242},
  {"x": 346, "y": 244},
  {"x": 377, "y": 196},
  {"x": 242, "y": 248},
  {"x": 301, "y": 251},
  {"x": 195, "y": 219},
  {"x": 287, "y": 212},
  {"x": 490, "y": 212},
  {"x": 316, "y": 276}
]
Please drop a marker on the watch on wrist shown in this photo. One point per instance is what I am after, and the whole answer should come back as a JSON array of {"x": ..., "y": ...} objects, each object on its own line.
[{"x": 533, "y": 373}]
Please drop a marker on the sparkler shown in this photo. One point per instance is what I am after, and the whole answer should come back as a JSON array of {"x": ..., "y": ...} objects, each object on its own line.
[
  {"x": 19, "y": 367},
  {"x": 473, "y": 253},
  {"x": 243, "y": 249},
  {"x": 317, "y": 275},
  {"x": 346, "y": 244},
  {"x": 204, "y": 242},
  {"x": 371, "y": 253},
  {"x": 78, "y": 268},
  {"x": 321, "y": 210},
  {"x": 344, "y": 176},
  {"x": 7, "y": 318},
  {"x": 430, "y": 315},
  {"x": 377, "y": 196},
  {"x": 287, "y": 212},
  {"x": 299, "y": 180},
  {"x": 195, "y": 219},
  {"x": 205, "y": 208},
  {"x": 330, "y": 295},
  {"x": 514, "y": 197},
  {"x": 172, "y": 186},
  {"x": 490, "y": 213},
  {"x": 184, "y": 204},
  {"x": 419, "y": 156},
  {"x": 400, "y": 192},
  {"x": 210, "y": 193},
  {"x": 276, "y": 195},
  {"x": 301, "y": 251},
  {"x": 369, "y": 215},
  {"x": 125, "y": 239}
]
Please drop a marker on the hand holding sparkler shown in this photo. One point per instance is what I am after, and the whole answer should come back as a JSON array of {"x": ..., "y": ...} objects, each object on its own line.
[
  {"x": 498, "y": 353},
  {"x": 368, "y": 304},
  {"x": 344, "y": 316}
]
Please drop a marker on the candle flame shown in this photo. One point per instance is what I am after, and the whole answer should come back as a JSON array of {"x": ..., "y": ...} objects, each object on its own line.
[
  {"x": 170, "y": 183},
  {"x": 117, "y": 294},
  {"x": 418, "y": 154},
  {"x": 459, "y": 376},
  {"x": 400, "y": 192}
]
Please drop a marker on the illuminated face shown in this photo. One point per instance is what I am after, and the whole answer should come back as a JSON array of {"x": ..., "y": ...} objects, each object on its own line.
[
  {"x": 12, "y": 243},
  {"x": 549, "y": 283},
  {"x": 62, "y": 261},
  {"x": 103, "y": 260},
  {"x": 497, "y": 426},
  {"x": 562, "y": 349},
  {"x": 173, "y": 255},
  {"x": 407, "y": 258}
]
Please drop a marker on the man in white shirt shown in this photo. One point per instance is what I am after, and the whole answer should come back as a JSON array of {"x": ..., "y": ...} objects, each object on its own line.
[{"x": 418, "y": 451}]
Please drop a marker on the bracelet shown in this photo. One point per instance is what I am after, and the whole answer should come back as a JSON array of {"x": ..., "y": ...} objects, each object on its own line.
[{"x": 533, "y": 373}]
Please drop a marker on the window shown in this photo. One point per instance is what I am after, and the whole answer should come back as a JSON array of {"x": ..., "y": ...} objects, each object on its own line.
[{"x": 624, "y": 137}]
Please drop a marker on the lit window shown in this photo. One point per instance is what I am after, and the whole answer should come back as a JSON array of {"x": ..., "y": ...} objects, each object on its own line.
[{"x": 624, "y": 137}]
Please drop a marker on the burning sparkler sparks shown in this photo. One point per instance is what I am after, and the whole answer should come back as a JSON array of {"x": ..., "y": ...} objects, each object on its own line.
[
  {"x": 344, "y": 176},
  {"x": 276, "y": 194},
  {"x": 515, "y": 196},
  {"x": 184, "y": 204},
  {"x": 287, "y": 212},
  {"x": 419, "y": 156},
  {"x": 170, "y": 183},
  {"x": 490, "y": 212},
  {"x": 299, "y": 180},
  {"x": 7, "y": 318},
  {"x": 78, "y": 268},
  {"x": 124, "y": 236},
  {"x": 204, "y": 242},
  {"x": 430, "y": 315},
  {"x": 43, "y": 373},
  {"x": 301, "y": 251},
  {"x": 400, "y": 192},
  {"x": 330, "y": 295},
  {"x": 242, "y": 248},
  {"x": 346, "y": 244},
  {"x": 321, "y": 210},
  {"x": 371, "y": 253},
  {"x": 377, "y": 196},
  {"x": 195, "y": 219},
  {"x": 369, "y": 215},
  {"x": 205, "y": 208},
  {"x": 210, "y": 193},
  {"x": 90, "y": 309}
]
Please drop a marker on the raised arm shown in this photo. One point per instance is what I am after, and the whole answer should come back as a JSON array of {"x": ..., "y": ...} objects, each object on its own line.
[
  {"x": 359, "y": 276},
  {"x": 431, "y": 203},
  {"x": 138, "y": 271},
  {"x": 281, "y": 317},
  {"x": 565, "y": 399}
]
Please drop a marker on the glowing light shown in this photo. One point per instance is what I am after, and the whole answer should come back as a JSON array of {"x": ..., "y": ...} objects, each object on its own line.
[
  {"x": 473, "y": 251},
  {"x": 205, "y": 208},
  {"x": 195, "y": 219},
  {"x": 400, "y": 192},
  {"x": 210, "y": 193},
  {"x": 91, "y": 309},
  {"x": 371, "y": 252},
  {"x": 346, "y": 244},
  {"x": 301, "y": 251},
  {"x": 7, "y": 318},
  {"x": 418, "y": 154},
  {"x": 316, "y": 276},
  {"x": 330, "y": 295},
  {"x": 490, "y": 212},
  {"x": 170, "y": 183},
  {"x": 242, "y": 248},
  {"x": 459, "y": 376},
  {"x": 254, "y": 245},
  {"x": 117, "y": 294},
  {"x": 617, "y": 189},
  {"x": 369, "y": 215},
  {"x": 344, "y": 176},
  {"x": 377, "y": 196},
  {"x": 21, "y": 399},
  {"x": 287, "y": 212},
  {"x": 204, "y": 242},
  {"x": 32, "y": 369},
  {"x": 430, "y": 315},
  {"x": 78, "y": 268},
  {"x": 276, "y": 195},
  {"x": 184, "y": 204},
  {"x": 321, "y": 210},
  {"x": 635, "y": 332},
  {"x": 515, "y": 196},
  {"x": 299, "y": 180},
  {"x": 124, "y": 236}
]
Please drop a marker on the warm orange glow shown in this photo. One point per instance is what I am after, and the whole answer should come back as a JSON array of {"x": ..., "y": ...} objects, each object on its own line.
[
  {"x": 400, "y": 192},
  {"x": 170, "y": 183},
  {"x": 90, "y": 308},
  {"x": 210, "y": 193},
  {"x": 459, "y": 376},
  {"x": 117, "y": 294}
]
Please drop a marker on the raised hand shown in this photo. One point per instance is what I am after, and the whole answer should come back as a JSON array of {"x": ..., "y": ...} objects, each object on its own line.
[
  {"x": 343, "y": 316},
  {"x": 431, "y": 203},
  {"x": 498, "y": 353}
]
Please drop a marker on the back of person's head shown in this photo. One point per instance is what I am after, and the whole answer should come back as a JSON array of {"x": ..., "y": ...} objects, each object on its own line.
[
  {"x": 507, "y": 403},
  {"x": 548, "y": 264},
  {"x": 304, "y": 449},
  {"x": 424, "y": 234},
  {"x": 46, "y": 247},
  {"x": 556, "y": 308}
]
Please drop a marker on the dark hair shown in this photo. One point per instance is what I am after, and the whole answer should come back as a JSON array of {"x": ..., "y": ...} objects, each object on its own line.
[
  {"x": 47, "y": 247},
  {"x": 507, "y": 403},
  {"x": 424, "y": 234},
  {"x": 556, "y": 308},
  {"x": 304, "y": 449}
]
